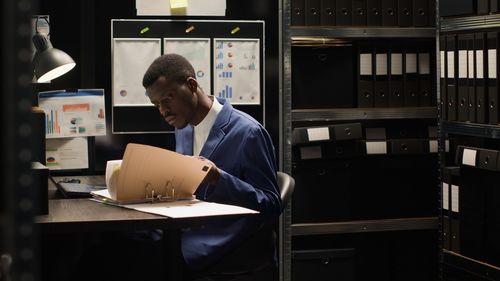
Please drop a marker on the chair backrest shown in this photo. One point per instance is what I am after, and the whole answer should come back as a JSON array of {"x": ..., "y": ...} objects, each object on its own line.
[{"x": 286, "y": 184}]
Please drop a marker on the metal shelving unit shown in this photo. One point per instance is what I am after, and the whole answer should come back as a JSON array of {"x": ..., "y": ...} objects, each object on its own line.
[
  {"x": 363, "y": 32},
  {"x": 345, "y": 114},
  {"x": 364, "y": 226},
  {"x": 481, "y": 23},
  {"x": 471, "y": 129}
]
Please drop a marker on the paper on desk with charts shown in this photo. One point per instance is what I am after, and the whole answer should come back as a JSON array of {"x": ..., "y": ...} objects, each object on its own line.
[{"x": 148, "y": 171}]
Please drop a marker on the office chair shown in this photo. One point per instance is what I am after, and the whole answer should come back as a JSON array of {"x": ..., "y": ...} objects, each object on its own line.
[{"x": 286, "y": 185}]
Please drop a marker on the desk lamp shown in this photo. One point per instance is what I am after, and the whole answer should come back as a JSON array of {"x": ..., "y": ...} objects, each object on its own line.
[{"x": 49, "y": 62}]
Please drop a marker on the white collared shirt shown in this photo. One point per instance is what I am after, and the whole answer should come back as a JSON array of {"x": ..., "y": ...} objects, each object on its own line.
[{"x": 201, "y": 131}]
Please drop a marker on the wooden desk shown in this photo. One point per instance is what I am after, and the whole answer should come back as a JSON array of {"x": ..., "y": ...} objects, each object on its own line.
[{"x": 84, "y": 215}]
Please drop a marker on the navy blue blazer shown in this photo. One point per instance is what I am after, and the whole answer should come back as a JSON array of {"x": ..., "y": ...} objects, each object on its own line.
[{"x": 243, "y": 151}]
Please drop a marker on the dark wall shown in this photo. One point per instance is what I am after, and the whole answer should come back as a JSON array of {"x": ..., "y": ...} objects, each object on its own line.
[{"x": 83, "y": 30}]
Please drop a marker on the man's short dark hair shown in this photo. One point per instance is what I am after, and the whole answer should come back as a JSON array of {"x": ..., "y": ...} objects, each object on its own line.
[{"x": 174, "y": 67}]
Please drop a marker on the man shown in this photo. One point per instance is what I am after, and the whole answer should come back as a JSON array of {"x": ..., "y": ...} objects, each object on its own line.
[{"x": 243, "y": 172}]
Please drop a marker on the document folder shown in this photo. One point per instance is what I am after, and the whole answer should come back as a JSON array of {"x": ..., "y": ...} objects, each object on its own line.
[
  {"x": 451, "y": 93},
  {"x": 374, "y": 12},
  {"x": 298, "y": 12},
  {"x": 365, "y": 81},
  {"x": 389, "y": 13},
  {"x": 405, "y": 13},
  {"x": 396, "y": 92},
  {"x": 492, "y": 59},
  {"x": 312, "y": 12},
  {"x": 344, "y": 12},
  {"x": 443, "y": 100},
  {"x": 328, "y": 12},
  {"x": 359, "y": 12},
  {"x": 481, "y": 110},
  {"x": 463, "y": 89},
  {"x": 420, "y": 13},
  {"x": 381, "y": 93},
  {"x": 425, "y": 96},
  {"x": 471, "y": 77},
  {"x": 410, "y": 78}
]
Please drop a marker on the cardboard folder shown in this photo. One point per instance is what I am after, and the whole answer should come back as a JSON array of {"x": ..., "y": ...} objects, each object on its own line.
[{"x": 148, "y": 173}]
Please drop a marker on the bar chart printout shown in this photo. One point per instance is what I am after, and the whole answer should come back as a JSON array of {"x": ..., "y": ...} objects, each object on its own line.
[
  {"x": 73, "y": 114},
  {"x": 237, "y": 75}
]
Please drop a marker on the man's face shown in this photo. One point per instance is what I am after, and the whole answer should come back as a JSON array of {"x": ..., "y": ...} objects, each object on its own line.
[{"x": 176, "y": 102}]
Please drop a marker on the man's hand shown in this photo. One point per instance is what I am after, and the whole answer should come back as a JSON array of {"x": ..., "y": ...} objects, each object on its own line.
[{"x": 214, "y": 172}]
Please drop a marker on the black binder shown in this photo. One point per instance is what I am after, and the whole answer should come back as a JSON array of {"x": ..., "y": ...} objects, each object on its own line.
[
  {"x": 493, "y": 6},
  {"x": 410, "y": 78},
  {"x": 451, "y": 91},
  {"x": 492, "y": 59},
  {"x": 449, "y": 175},
  {"x": 432, "y": 13},
  {"x": 328, "y": 12},
  {"x": 298, "y": 12},
  {"x": 479, "y": 46},
  {"x": 344, "y": 12},
  {"x": 381, "y": 92},
  {"x": 424, "y": 77},
  {"x": 359, "y": 12},
  {"x": 389, "y": 12},
  {"x": 471, "y": 74},
  {"x": 463, "y": 89},
  {"x": 396, "y": 91},
  {"x": 374, "y": 12},
  {"x": 365, "y": 81},
  {"x": 312, "y": 12},
  {"x": 420, "y": 13},
  {"x": 405, "y": 13},
  {"x": 482, "y": 7},
  {"x": 443, "y": 103}
]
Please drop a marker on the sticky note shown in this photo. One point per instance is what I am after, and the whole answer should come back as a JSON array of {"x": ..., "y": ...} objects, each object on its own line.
[{"x": 178, "y": 4}]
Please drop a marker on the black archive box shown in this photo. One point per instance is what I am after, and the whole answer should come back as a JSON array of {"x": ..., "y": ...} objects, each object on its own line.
[
  {"x": 324, "y": 264},
  {"x": 313, "y": 89},
  {"x": 41, "y": 189}
]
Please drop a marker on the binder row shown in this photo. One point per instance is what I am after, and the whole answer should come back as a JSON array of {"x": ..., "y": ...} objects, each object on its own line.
[
  {"x": 468, "y": 76},
  {"x": 395, "y": 76},
  {"x": 449, "y": 8},
  {"x": 470, "y": 218},
  {"x": 479, "y": 158},
  {"x": 402, "y": 13},
  {"x": 307, "y": 145}
]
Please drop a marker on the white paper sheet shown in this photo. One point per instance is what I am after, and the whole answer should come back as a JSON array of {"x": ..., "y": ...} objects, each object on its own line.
[
  {"x": 67, "y": 153},
  {"x": 197, "y": 52},
  {"x": 131, "y": 59},
  {"x": 73, "y": 114},
  {"x": 189, "y": 209},
  {"x": 194, "y": 8},
  {"x": 237, "y": 70}
]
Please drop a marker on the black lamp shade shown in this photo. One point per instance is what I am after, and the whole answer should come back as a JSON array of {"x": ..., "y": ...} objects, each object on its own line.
[{"x": 49, "y": 62}]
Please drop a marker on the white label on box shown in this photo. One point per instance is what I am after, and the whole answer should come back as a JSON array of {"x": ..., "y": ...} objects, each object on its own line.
[
  {"x": 492, "y": 63},
  {"x": 381, "y": 64},
  {"x": 433, "y": 146},
  {"x": 441, "y": 64},
  {"x": 451, "y": 64},
  {"x": 397, "y": 64},
  {"x": 445, "y": 192},
  {"x": 447, "y": 146},
  {"x": 376, "y": 147},
  {"x": 462, "y": 64},
  {"x": 479, "y": 64},
  {"x": 469, "y": 157},
  {"x": 454, "y": 198},
  {"x": 365, "y": 64},
  {"x": 318, "y": 134},
  {"x": 411, "y": 63}
]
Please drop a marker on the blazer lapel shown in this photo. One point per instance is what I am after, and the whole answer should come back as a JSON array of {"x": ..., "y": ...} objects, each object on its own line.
[{"x": 217, "y": 133}]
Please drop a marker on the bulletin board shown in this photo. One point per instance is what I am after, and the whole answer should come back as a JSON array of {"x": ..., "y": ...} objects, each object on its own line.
[{"x": 228, "y": 58}]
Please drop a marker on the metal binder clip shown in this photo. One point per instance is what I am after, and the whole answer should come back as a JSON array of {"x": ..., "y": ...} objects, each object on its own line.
[{"x": 159, "y": 194}]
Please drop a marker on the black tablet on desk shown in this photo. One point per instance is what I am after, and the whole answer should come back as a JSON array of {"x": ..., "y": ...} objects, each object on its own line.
[{"x": 77, "y": 190}]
